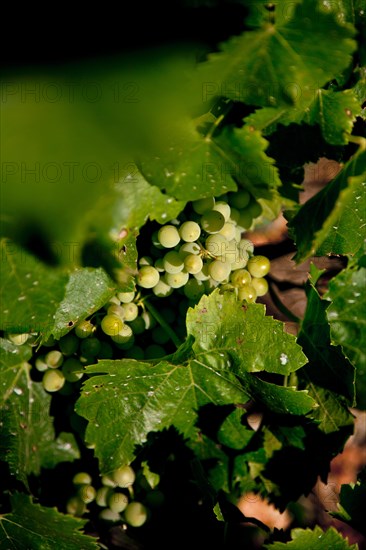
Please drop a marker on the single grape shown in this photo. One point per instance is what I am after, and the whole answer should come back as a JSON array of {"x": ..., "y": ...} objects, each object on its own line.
[
  {"x": 113, "y": 301},
  {"x": 202, "y": 205},
  {"x": 69, "y": 344},
  {"x": 109, "y": 515},
  {"x": 50, "y": 342},
  {"x": 246, "y": 245},
  {"x": 84, "y": 329},
  {"x": 154, "y": 351},
  {"x": 115, "y": 309},
  {"x": 72, "y": 369},
  {"x": 240, "y": 262},
  {"x": 135, "y": 514},
  {"x": 168, "y": 236},
  {"x": 259, "y": 266},
  {"x": 108, "y": 481},
  {"x": 261, "y": 286},
  {"x": 54, "y": 359},
  {"x": 245, "y": 219},
  {"x": 215, "y": 243},
  {"x": 189, "y": 248},
  {"x": 156, "y": 243},
  {"x": 238, "y": 233},
  {"x": 239, "y": 199},
  {"x": 194, "y": 289},
  {"x": 219, "y": 271},
  {"x": 126, "y": 297},
  {"x": 90, "y": 347},
  {"x": 159, "y": 265},
  {"x": 229, "y": 252},
  {"x": 162, "y": 289},
  {"x": 130, "y": 311},
  {"x": 82, "y": 478},
  {"x": 117, "y": 502},
  {"x": 228, "y": 231},
  {"x": 203, "y": 275},
  {"x": 224, "y": 208},
  {"x": 144, "y": 260},
  {"x": 18, "y": 339},
  {"x": 124, "y": 476},
  {"x": 212, "y": 221},
  {"x": 53, "y": 380},
  {"x": 149, "y": 320},
  {"x": 159, "y": 335},
  {"x": 234, "y": 216},
  {"x": 254, "y": 208},
  {"x": 111, "y": 325},
  {"x": 240, "y": 278},
  {"x": 123, "y": 336},
  {"x": 193, "y": 263},
  {"x": 176, "y": 280},
  {"x": 247, "y": 293},
  {"x": 173, "y": 262},
  {"x": 75, "y": 506},
  {"x": 135, "y": 352},
  {"x": 102, "y": 495},
  {"x": 41, "y": 364},
  {"x": 138, "y": 324},
  {"x": 189, "y": 231},
  {"x": 148, "y": 276}
]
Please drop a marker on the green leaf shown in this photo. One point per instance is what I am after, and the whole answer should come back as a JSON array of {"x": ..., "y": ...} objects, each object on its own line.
[
  {"x": 87, "y": 290},
  {"x": 327, "y": 368},
  {"x": 334, "y": 220},
  {"x": 280, "y": 63},
  {"x": 30, "y": 525},
  {"x": 347, "y": 319},
  {"x": 130, "y": 399},
  {"x": 222, "y": 324},
  {"x": 152, "y": 478},
  {"x": 30, "y": 291},
  {"x": 316, "y": 539},
  {"x": 28, "y": 436},
  {"x": 233, "y": 433},
  {"x": 334, "y": 112},
  {"x": 332, "y": 412},
  {"x": 350, "y": 507}
]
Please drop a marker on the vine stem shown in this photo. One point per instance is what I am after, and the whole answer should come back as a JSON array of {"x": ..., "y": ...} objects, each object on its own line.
[
  {"x": 163, "y": 323},
  {"x": 359, "y": 140},
  {"x": 277, "y": 302}
]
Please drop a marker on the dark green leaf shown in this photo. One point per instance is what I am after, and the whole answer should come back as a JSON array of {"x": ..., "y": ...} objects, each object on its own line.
[
  {"x": 316, "y": 539},
  {"x": 351, "y": 505},
  {"x": 30, "y": 525},
  {"x": 233, "y": 433},
  {"x": 332, "y": 412}
]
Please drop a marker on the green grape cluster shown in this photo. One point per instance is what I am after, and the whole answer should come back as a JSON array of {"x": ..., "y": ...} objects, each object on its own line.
[
  {"x": 114, "y": 500},
  {"x": 203, "y": 249}
]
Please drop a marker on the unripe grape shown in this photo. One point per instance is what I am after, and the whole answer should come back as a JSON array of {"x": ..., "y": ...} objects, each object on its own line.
[
  {"x": 82, "y": 478},
  {"x": 18, "y": 339},
  {"x": 135, "y": 514},
  {"x": 168, "y": 236},
  {"x": 215, "y": 243},
  {"x": 224, "y": 208},
  {"x": 203, "y": 275},
  {"x": 246, "y": 245},
  {"x": 202, "y": 205},
  {"x": 138, "y": 324},
  {"x": 254, "y": 208},
  {"x": 123, "y": 336},
  {"x": 109, "y": 515},
  {"x": 240, "y": 278},
  {"x": 189, "y": 248},
  {"x": 54, "y": 359},
  {"x": 111, "y": 324},
  {"x": 41, "y": 364},
  {"x": 189, "y": 231},
  {"x": 108, "y": 481},
  {"x": 234, "y": 216},
  {"x": 245, "y": 219},
  {"x": 148, "y": 319},
  {"x": 124, "y": 476},
  {"x": 239, "y": 199},
  {"x": 194, "y": 289},
  {"x": 173, "y": 262},
  {"x": 75, "y": 506},
  {"x": 177, "y": 280},
  {"x": 162, "y": 289},
  {"x": 102, "y": 495},
  {"x": 212, "y": 221},
  {"x": 84, "y": 329},
  {"x": 260, "y": 285},
  {"x": 50, "y": 342},
  {"x": 159, "y": 265},
  {"x": 148, "y": 276},
  {"x": 53, "y": 380},
  {"x": 72, "y": 369},
  {"x": 69, "y": 344},
  {"x": 90, "y": 347},
  {"x": 144, "y": 260},
  {"x": 247, "y": 293},
  {"x": 219, "y": 271},
  {"x": 126, "y": 297},
  {"x": 130, "y": 311},
  {"x": 228, "y": 231},
  {"x": 193, "y": 263},
  {"x": 87, "y": 493},
  {"x": 117, "y": 502},
  {"x": 135, "y": 352},
  {"x": 115, "y": 309},
  {"x": 154, "y": 351},
  {"x": 106, "y": 351},
  {"x": 259, "y": 266}
]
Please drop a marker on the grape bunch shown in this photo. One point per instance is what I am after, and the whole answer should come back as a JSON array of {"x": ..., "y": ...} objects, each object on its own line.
[
  {"x": 203, "y": 249},
  {"x": 114, "y": 500}
]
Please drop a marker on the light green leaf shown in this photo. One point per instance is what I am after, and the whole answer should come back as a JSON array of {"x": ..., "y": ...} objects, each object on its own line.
[
  {"x": 223, "y": 325},
  {"x": 130, "y": 399},
  {"x": 334, "y": 220},
  {"x": 281, "y": 63},
  {"x": 12, "y": 359},
  {"x": 30, "y": 525},
  {"x": 347, "y": 318},
  {"x": 233, "y": 433},
  {"x": 332, "y": 412},
  {"x": 316, "y": 539}
]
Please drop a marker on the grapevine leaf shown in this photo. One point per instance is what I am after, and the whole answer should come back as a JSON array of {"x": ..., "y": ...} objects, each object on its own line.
[
  {"x": 316, "y": 539},
  {"x": 87, "y": 290},
  {"x": 130, "y": 399},
  {"x": 28, "y": 437},
  {"x": 351, "y": 500},
  {"x": 327, "y": 368},
  {"x": 346, "y": 315},
  {"x": 222, "y": 324},
  {"x": 233, "y": 433},
  {"x": 334, "y": 220},
  {"x": 29, "y": 292},
  {"x": 12, "y": 358},
  {"x": 30, "y": 525},
  {"x": 334, "y": 112},
  {"x": 281, "y": 63},
  {"x": 332, "y": 412}
]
